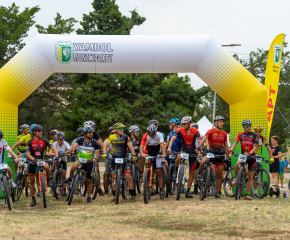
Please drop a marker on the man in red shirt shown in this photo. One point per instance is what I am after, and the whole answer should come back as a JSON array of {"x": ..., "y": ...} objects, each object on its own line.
[
  {"x": 188, "y": 136},
  {"x": 218, "y": 145}
]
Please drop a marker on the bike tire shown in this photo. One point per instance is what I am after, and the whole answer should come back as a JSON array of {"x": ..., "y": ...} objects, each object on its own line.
[
  {"x": 180, "y": 178},
  {"x": 83, "y": 186},
  {"x": 125, "y": 189},
  {"x": 6, "y": 191},
  {"x": 227, "y": 182},
  {"x": 138, "y": 181},
  {"x": 57, "y": 184},
  {"x": 43, "y": 189},
  {"x": 26, "y": 179},
  {"x": 239, "y": 183},
  {"x": 118, "y": 186},
  {"x": 171, "y": 181},
  {"x": 133, "y": 174},
  {"x": 18, "y": 179},
  {"x": 104, "y": 177},
  {"x": 205, "y": 183},
  {"x": 212, "y": 185},
  {"x": 95, "y": 184},
  {"x": 265, "y": 181},
  {"x": 146, "y": 188},
  {"x": 73, "y": 189},
  {"x": 165, "y": 181},
  {"x": 196, "y": 177}
]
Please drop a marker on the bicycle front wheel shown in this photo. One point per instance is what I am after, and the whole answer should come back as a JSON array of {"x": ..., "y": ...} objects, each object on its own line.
[
  {"x": 165, "y": 180},
  {"x": 18, "y": 179},
  {"x": 133, "y": 175},
  {"x": 57, "y": 184},
  {"x": 95, "y": 184},
  {"x": 138, "y": 181},
  {"x": 205, "y": 183},
  {"x": 196, "y": 178},
  {"x": 180, "y": 179},
  {"x": 43, "y": 189},
  {"x": 146, "y": 188},
  {"x": 239, "y": 183},
  {"x": 227, "y": 183},
  {"x": 75, "y": 183},
  {"x": 6, "y": 192},
  {"x": 83, "y": 184},
  {"x": 171, "y": 180},
  {"x": 118, "y": 185},
  {"x": 262, "y": 181}
]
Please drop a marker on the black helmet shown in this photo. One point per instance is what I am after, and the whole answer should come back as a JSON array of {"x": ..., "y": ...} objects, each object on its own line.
[
  {"x": 59, "y": 135},
  {"x": 37, "y": 128},
  {"x": 219, "y": 117},
  {"x": 195, "y": 125},
  {"x": 1, "y": 134},
  {"x": 151, "y": 130},
  {"x": 110, "y": 129},
  {"x": 80, "y": 130}
]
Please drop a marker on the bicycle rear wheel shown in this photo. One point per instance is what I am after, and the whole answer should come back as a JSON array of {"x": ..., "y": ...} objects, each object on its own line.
[
  {"x": 205, "y": 183},
  {"x": 138, "y": 181},
  {"x": 196, "y": 178},
  {"x": 146, "y": 188},
  {"x": 227, "y": 182},
  {"x": 118, "y": 187},
  {"x": 57, "y": 184},
  {"x": 165, "y": 180},
  {"x": 262, "y": 180},
  {"x": 95, "y": 184},
  {"x": 18, "y": 179},
  {"x": 43, "y": 189},
  {"x": 73, "y": 189},
  {"x": 26, "y": 179},
  {"x": 6, "y": 192},
  {"x": 239, "y": 183},
  {"x": 212, "y": 185},
  {"x": 180, "y": 179},
  {"x": 171, "y": 180},
  {"x": 83, "y": 184}
]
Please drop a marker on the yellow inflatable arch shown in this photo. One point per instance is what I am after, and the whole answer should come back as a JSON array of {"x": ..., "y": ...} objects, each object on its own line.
[{"x": 200, "y": 54}]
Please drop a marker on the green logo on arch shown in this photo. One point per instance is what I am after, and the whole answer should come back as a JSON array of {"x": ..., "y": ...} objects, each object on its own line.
[
  {"x": 277, "y": 53},
  {"x": 64, "y": 52}
]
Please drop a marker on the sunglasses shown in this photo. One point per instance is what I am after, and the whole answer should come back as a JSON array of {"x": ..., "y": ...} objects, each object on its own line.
[
  {"x": 257, "y": 131},
  {"x": 137, "y": 132},
  {"x": 184, "y": 124},
  {"x": 26, "y": 128},
  {"x": 248, "y": 126},
  {"x": 121, "y": 129},
  {"x": 38, "y": 130}
]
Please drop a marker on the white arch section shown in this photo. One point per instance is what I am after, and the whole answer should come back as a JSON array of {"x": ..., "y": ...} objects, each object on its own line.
[{"x": 201, "y": 54}]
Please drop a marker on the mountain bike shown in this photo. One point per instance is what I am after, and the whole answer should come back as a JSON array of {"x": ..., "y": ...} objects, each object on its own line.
[
  {"x": 95, "y": 180},
  {"x": 180, "y": 180},
  {"x": 57, "y": 182},
  {"x": 21, "y": 178},
  {"x": 227, "y": 183},
  {"x": 171, "y": 179},
  {"x": 42, "y": 179},
  {"x": 134, "y": 172},
  {"x": 261, "y": 178},
  {"x": 5, "y": 185}
]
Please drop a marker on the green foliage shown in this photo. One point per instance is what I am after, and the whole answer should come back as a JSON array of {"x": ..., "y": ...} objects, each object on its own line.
[{"x": 14, "y": 26}]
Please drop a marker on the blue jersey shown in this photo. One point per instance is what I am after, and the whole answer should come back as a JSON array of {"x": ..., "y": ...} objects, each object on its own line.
[{"x": 177, "y": 143}]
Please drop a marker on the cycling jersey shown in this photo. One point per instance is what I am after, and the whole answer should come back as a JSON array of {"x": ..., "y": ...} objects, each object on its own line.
[
  {"x": 262, "y": 141},
  {"x": 119, "y": 146},
  {"x": 110, "y": 146},
  {"x": 37, "y": 147},
  {"x": 153, "y": 144},
  {"x": 25, "y": 139},
  {"x": 22, "y": 146},
  {"x": 51, "y": 142},
  {"x": 216, "y": 140},
  {"x": 87, "y": 149},
  {"x": 188, "y": 141},
  {"x": 96, "y": 136},
  {"x": 3, "y": 146},
  {"x": 247, "y": 141},
  {"x": 177, "y": 143},
  {"x": 136, "y": 145},
  {"x": 65, "y": 146}
]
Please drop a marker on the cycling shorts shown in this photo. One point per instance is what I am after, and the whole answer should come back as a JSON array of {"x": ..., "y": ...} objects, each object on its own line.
[
  {"x": 24, "y": 154},
  {"x": 219, "y": 161},
  {"x": 32, "y": 168},
  {"x": 275, "y": 166},
  {"x": 192, "y": 163},
  {"x": 251, "y": 164},
  {"x": 88, "y": 167},
  {"x": 64, "y": 165},
  {"x": 125, "y": 167},
  {"x": 108, "y": 166}
]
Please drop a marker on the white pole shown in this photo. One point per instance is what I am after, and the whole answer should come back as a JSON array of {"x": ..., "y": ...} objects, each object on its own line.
[{"x": 214, "y": 107}]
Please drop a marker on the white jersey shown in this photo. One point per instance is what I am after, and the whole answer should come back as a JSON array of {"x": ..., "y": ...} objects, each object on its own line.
[
  {"x": 65, "y": 146},
  {"x": 3, "y": 146},
  {"x": 110, "y": 146},
  {"x": 153, "y": 144}
]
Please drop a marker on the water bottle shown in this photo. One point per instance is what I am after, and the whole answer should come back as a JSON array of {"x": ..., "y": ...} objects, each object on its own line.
[{"x": 284, "y": 195}]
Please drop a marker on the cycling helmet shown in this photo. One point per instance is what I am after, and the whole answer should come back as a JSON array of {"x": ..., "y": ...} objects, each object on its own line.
[
  {"x": 54, "y": 131},
  {"x": 110, "y": 129},
  {"x": 219, "y": 117},
  {"x": 59, "y": 135},
  {"x": 258, "y": 128},
  {"x": 174, "y": 120},
  {"x": 186, "y": 119},
  {"x": 80, "y": 130},
  {"x": 89, "y": 124},
  {"x": 30, "y": 131},
  {"x": 155, "y": 122},
  {"x": 246, "y": 122},
  {"x": 37, "y": 128},
  {"x": 195, "y": 125},
  {"x": 89, "y": 129},
  {"x": 23, "y": 126},
  {"x": 119, "y": 125},
  {"x": 1, "y": 134},
  {"x": 134, "y": 128},
  {"x": 151, "y": 130}
]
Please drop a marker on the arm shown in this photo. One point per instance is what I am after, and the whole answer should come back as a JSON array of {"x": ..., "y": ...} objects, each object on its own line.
[
  {"x": 254, "y": 149},
  {"x": 14, "y": 155},
  {"x": 234, "y": 146},
  {"x": 226, "y": 147},
  {"x": 207, "y": 145},
  {"x": 53, "y": 149},
  {"x": 97, "y": 152},
  {"x": 16, "y": 145},
  {"x": 74, "y": 147},
  {"x": 100, "y": 142},
  {"x": 130, "y": 146},
  {"x": 142, "y": 150},
  {"x": 105, "y": 146},
  {"x": 28, "y": 155},
  {"x": 50, "y": 153},
  {"x": 163, "y": 150},
  {"x": 278, "y": 156},
  {"x": 171, "y": 143},
  {"x": 201, "y": 142}
]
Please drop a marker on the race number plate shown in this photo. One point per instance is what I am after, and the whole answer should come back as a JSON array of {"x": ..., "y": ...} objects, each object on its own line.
[
  {"x": 129, "y": 155},
  {"x": 9, "y": 155},
  {"x": 82, "y": 160},
  {"x": 3, "y": 166},
  {"x": 259, "y": 159},
  {"x": 185, "y": 156},
  {"x": 119, "y": 160},
  {"x": 21, "y": 161},
  {"x": 242, "y": 158},
  {"x": 210, "y": 155},
  {"x": 171, "y": 156},
  {"x": 41, "y": 164}
]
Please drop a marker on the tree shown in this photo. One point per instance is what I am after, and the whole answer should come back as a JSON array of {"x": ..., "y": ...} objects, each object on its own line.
[{"x": 14, "y": 26}]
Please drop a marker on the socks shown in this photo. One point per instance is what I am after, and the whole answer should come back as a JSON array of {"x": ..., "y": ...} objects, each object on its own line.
[
  {"x": 188, "y": 190},
  {"x": 195, "y": 187},
  {"x": 255, "y": 190}
]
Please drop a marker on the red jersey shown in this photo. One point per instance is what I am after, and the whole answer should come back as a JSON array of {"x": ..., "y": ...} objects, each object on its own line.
[
  {"x": 188, "y": 140},
  {"x": 216, "y": 140},
  {"x": 247, "y": 141},
  {"x": 37, "y": 148}
]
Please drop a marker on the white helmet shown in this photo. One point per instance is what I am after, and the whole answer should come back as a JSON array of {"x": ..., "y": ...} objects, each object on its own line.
[
  {"x": 186, "y": 119},
  {"x": 133, "y": 128},
  {"x": 23, "y": 126},
  {"x": 151, "y": 130},
  {"x": 89, "y": 124}
]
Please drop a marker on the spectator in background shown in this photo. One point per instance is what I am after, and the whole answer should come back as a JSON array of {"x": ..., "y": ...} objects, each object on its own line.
[
  {"x": 282, "y": 169},
  {"x": 286, "y": 162}
]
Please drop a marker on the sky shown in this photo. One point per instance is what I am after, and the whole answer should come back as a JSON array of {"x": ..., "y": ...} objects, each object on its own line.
[{"x": 251, "y": 23}]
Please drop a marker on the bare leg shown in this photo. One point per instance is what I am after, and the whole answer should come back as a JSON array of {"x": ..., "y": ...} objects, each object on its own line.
[
  {"x": 64, "y": 177},
  {"x": 190, "y": 179},
  {"x": 72, "y": 170},
  {"x": 113, "y": 179},
  {"x": 159, "y": 177},
  {"x": 98, "y": 170},
  {"x": 219, "y": 178},
  {"x": 107, "y": 180},
  {"x": 129, "y": 180},
  {"x": 275, "y": 179},
  {"x": 90, "y": 186},
  {"x": 250, "y": 181}
]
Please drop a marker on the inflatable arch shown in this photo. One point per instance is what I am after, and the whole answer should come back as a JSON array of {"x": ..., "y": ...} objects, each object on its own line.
[{"x": 200, "y": 54}]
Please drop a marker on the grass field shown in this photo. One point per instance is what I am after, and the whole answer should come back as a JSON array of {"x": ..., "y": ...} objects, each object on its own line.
[{"x": 160, "y": 219}]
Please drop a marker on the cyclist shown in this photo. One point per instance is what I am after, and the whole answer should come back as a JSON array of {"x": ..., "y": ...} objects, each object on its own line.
[
  {"x": 218, "y": 145},
  {"x": 119, "y": 143},
  {"x": 53, "y": 139},
  {"x": 156, "y": 123},
  {"x": 108, "y": 163},
  {"x": 262, "y": 140},
  {"x": 79, "y": 132},
  {"x": 21, "y": 148},
  {"x": 136, "y": 141},
  {"x": 4, "y": 146},
  {"x": 188, "y": 136},
  {"x": 88, "y": 146},
  {"x": 154, "y": 141},
  {"x": 35, "y": 151},
  {"x": 277, "y": 155},
  {"x": 96, "y": 136},
  {"x": 249, "y": 144},
  {"x": 62, "y": 147}
]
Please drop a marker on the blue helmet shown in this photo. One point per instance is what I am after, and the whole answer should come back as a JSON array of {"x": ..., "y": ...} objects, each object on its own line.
[
  {"x": 174, "y": 120},
  {"x": 88, "y": 129},
  {"x": 30, "y": 131}
]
